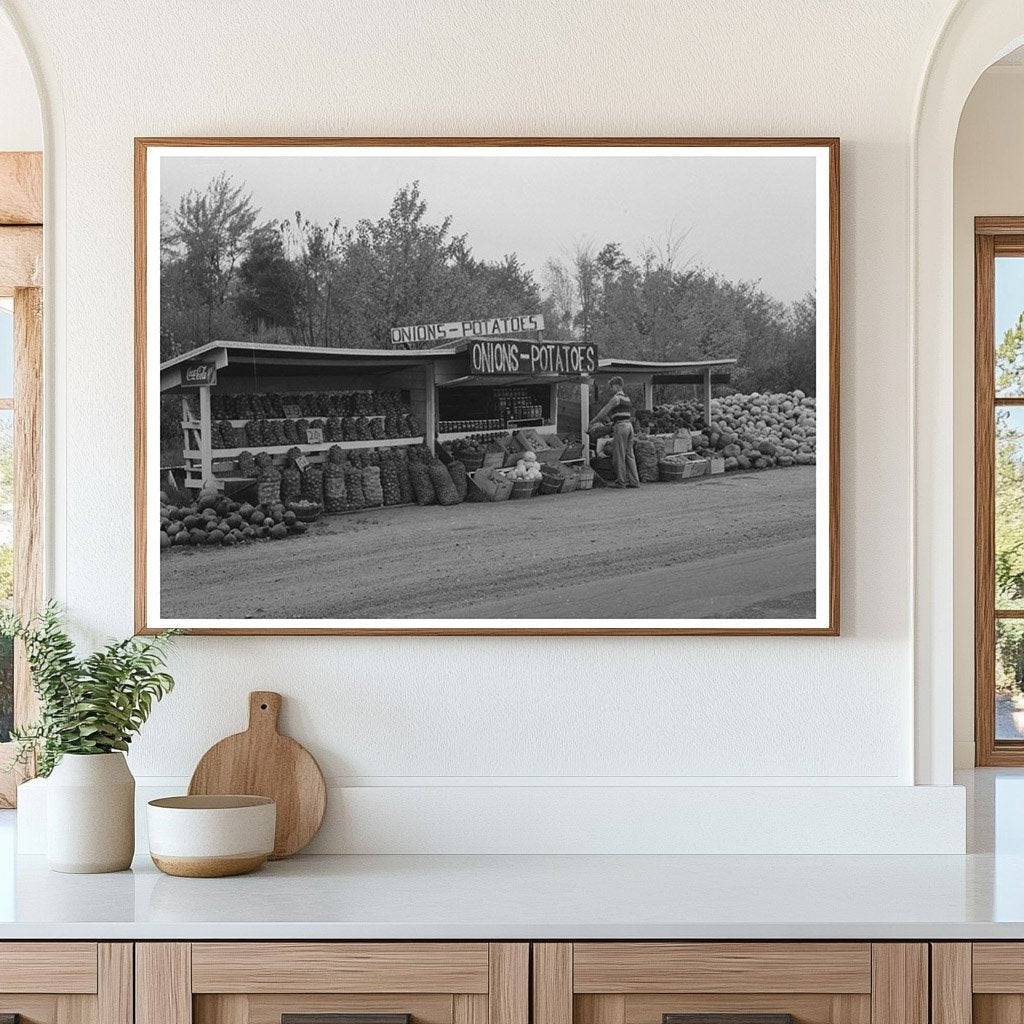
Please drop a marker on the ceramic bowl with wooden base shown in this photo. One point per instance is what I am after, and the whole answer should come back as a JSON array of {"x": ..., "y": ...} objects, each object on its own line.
[{"x": 211, "y": 836}]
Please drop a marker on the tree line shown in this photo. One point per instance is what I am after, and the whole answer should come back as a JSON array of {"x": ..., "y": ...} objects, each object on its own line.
[{"x": 227, "y": 274}]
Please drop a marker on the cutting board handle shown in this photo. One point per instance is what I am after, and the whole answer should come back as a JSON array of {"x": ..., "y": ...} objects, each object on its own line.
[{"x": 264, "y": 710}]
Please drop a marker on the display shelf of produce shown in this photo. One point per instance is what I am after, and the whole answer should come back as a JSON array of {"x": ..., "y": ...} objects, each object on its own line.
[
  {"x": 284, "y": 449},
  {"x": 547, "y": 428},
  {"x": 458, "y": 435},
  {"x": 318, "y": 416}
]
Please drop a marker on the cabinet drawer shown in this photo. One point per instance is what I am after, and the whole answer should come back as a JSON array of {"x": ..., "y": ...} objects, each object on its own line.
[
  {"x": 48, "y": 967},
  {"x": 340, "y": 967},
  {"x": 629, "y": 967},
  {"x": 263, "y": 982},
  {"x": 737, "y": 982}
]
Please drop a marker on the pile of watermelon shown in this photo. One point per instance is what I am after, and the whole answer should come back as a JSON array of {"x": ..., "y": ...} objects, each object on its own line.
[
  {"x": 756, "y": 431},
  {"x": 214, "y": 520}
]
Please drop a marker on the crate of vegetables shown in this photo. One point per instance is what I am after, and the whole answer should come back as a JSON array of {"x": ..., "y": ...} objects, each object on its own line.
[
  {"x": 491, "y": 486},
  {"x": 682, "y": 466}
]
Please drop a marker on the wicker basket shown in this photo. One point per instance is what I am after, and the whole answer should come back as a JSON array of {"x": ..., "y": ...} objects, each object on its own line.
[
  {"x": 584, "y": 478},
  {"x": 305, "y": 513},
  {"x": 524, "y": 489},
  {"x": 557, "y": 479}
]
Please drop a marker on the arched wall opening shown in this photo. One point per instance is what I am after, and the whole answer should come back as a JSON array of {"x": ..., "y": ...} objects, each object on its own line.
[{"x": 975, "y": 35}]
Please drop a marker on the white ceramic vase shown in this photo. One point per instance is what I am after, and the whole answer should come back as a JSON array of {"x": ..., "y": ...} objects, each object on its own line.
[{"x": 90, "y": 814}]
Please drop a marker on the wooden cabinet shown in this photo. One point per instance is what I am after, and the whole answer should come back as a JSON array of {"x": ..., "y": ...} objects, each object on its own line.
[
  {"x": 66, "y": 982},
  {"x": 261, "y": 982},
  {"x": 979, "y": 982},
  {"x": 650, "y": 982}
]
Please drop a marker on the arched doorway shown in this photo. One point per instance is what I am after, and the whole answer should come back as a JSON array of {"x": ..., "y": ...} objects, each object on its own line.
[{"x": 976, "y": 33}]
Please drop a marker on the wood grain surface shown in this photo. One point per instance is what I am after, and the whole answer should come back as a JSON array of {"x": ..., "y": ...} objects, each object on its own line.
[
  {"x": 756, "y": 967},
  {"x": 951, "y": 984},
  {"x": 163, "y": 983},
  {"x": 262, "y": 762},
  {"x": 21, "y": 188},
  {"x": 899, "y": 983},
  {"x": 309, "y": 967},
  {"x": 69, "y": 967}
]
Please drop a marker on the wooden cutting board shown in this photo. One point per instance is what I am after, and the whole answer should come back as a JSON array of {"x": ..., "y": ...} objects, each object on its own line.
[{"x": 262, "y": 762}]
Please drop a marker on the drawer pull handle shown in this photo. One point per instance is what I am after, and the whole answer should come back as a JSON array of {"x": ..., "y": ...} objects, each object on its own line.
[
  {"x": 341, "y": 1018},
  {"x": 728, "y": 1018}
]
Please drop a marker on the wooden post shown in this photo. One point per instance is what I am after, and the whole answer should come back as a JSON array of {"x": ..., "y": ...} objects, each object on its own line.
[
  {"x": 585, "y": 420},
  {"x": 205, "y": 436},
  {"x": 430, "y": 407},
  {"x": 649, "y": 394},
  {"x": 706, "y": 393}
]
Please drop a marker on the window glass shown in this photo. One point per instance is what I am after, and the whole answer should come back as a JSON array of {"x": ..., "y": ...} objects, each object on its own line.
[
  {"x": 6, "y": 351},
  {"x": 1009, "y": 327},
  {"x": 6, "y": 567},
  {"x": 1009, "y": 512},
  {"x": 1009, "y": 679}
]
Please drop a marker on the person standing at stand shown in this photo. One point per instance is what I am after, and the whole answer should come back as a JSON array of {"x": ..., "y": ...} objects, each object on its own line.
[{"x": 618, "y": 411}]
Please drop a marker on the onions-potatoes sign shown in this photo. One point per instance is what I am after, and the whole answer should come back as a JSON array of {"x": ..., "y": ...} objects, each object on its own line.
[
  {"x": 456, "y": 330},
  {"x": 506, "y": 356}
]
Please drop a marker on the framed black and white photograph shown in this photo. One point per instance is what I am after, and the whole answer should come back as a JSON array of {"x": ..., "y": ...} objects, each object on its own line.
[{"x": 487, "y": 386}]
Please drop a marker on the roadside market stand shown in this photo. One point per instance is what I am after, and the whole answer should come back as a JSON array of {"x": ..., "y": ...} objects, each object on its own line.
[{"x": 466, "y": 388}]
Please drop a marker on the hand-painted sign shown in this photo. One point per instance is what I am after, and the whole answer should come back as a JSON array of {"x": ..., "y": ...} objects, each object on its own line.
[
  {"x": 198, "y": 375},
  {"x": 532, "y": 358},
  {"x": 489, "y": 327}
]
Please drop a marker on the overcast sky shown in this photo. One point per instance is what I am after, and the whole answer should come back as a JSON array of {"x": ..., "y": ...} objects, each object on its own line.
[{"x": 745, "y": 217}]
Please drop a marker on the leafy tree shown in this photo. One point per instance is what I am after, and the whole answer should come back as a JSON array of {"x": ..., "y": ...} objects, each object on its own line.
[
  {"x": 268, "y": 281},
  {"x": 1010, "y": 360},
  {"x": 209, "y": 228}
]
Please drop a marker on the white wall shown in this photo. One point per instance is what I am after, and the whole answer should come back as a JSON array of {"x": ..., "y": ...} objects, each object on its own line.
[
  {"x": 988, "y": 181},
  {"x": 443, "y": 713}
]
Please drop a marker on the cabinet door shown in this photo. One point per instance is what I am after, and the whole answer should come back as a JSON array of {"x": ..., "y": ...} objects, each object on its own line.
[
  {"x": 737, "y": 982},
  {"x": 332, "y": 983},
  {"x": 981, "y": 982},
  {"x": 66, "y": 982}
]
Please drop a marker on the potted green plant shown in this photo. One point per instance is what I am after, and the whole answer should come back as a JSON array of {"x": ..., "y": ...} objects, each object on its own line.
[{"x": 89, "y": 710}]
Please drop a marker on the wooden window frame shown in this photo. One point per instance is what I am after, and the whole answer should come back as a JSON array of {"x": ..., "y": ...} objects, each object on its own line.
[{"x": 21, "y": 269}]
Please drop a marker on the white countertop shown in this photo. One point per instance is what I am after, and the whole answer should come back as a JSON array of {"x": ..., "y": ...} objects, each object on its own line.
[
  {"x": 978, "y": 896},
  {"x": 532, "y": 897}
]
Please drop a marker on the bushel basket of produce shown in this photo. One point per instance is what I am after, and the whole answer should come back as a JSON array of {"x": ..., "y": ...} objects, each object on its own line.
[
  {"x": 524, "y": 489},
  {"x": 490, "y": 485},
  {"x": 305, "y": 511},
  {"x": 682, "y": 467},
  {"x": 557, "y": 479},
  {"x": 584, "y": 478}
]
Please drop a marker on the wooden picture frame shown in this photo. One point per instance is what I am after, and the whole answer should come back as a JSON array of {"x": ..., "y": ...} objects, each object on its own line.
[{"x": 826, "y": 622}]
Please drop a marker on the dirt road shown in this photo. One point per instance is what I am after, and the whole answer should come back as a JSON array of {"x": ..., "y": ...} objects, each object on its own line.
[{"x": 734, "y": 546}]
